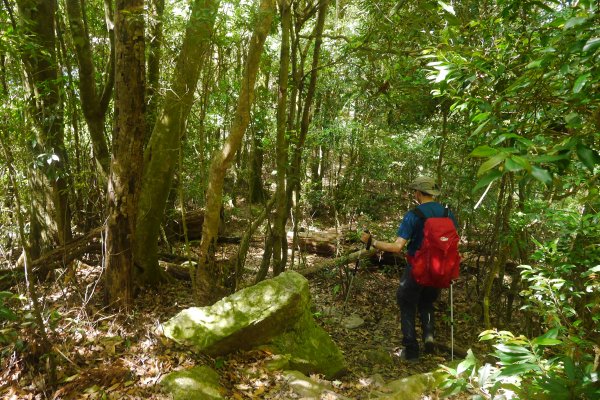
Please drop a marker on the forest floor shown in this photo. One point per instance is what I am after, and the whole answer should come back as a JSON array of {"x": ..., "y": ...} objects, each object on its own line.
[{"x": 101, "y": 354}]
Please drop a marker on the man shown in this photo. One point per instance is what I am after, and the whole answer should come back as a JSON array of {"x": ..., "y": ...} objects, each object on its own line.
[{"x": 410, "y": 295}]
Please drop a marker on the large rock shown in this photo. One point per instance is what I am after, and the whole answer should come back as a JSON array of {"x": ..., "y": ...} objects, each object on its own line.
[{"x": 274, "y": 313}]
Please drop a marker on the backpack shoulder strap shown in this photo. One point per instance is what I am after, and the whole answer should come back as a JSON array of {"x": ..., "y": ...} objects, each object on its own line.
[
  {"x": 446, "y": 212},
  {"x": 419, "y": 213}
]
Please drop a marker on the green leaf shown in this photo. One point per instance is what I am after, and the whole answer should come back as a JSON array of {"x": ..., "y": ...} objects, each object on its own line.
[
  {"x": 592, "y": 44},
  {"x": 481, "y": 126},
  {"x": 546, "y": 342},
  {"x": 447, "y": 7},
  {"x": 484, "y": 374},
  {"x": 480, "y": 117},
  {"x": 501, "y": 138},
  {"x": 575, "y": 21},
  {"x": 534, "y": 64},
  {"x": 467, "y": 363},
  {"x": 573, "y": 120},
  {"x": 541, "y": 175},
  {"x": 511, "y": 165},
  {"x": 491, "y": 163},
  {"x": 518, "y": 369},
  {"x": 7, "y": 315},
  {"x": 487, "y": 179},
  {"x": 588, "y": 157},
  {"x": 484, "y": 151},
  {"x": 580, "y": 83},
  {"x": 4, "y": 295}
]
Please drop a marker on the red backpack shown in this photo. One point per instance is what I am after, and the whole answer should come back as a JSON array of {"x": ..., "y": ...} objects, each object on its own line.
[{"x": 437, "y": 260}]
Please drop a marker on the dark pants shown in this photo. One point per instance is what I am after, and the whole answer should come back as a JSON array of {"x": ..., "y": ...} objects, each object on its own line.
[{"x": 410, "y": 297}]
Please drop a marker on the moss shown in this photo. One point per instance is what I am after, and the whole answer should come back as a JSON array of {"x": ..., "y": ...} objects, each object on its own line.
[
  {"x": 197, "y": 383},
  {"x": 310, "y": 349}
]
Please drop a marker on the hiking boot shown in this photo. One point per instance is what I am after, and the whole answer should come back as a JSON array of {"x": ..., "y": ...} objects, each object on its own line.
[
  {"x": 429, "y": 345},
  {"x": 405, "y": 356}
]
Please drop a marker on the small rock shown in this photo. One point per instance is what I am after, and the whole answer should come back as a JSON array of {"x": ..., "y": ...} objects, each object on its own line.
[
  {"x": 352, "y": 322},
  {"x": 309, "y": 388},
  {"x": 197, "y": 383}
]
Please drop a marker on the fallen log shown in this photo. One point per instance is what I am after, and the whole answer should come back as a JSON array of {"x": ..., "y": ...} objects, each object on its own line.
[
  {"x": 62, "y": 256},
  {"x": 174, "y": 228},
  {"x": 370, "y": 257},
  {"x": 338, "y": 262}
]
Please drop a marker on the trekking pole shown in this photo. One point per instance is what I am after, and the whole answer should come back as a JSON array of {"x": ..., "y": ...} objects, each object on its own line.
[
  {"x": 451, "y": 324},
  {"x": 367, "y": 246}
]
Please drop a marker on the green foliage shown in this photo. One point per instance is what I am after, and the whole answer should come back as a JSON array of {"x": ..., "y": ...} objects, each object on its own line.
[
  {"x": 526, "y": 80},
  {"x": 11, "y": 321},
  {"x": 563, "y": 290},
  {"x": 525, "y": 369}
]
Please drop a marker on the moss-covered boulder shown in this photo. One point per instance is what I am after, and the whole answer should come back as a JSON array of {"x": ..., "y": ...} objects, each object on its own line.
[
  {"x": 414, "y": 387},
  {"x": 245, "y": 319},
  {"x": 197, "y": 383},
  {"x": 310, "y": 349},
  {"x": 274, "y": 313}
]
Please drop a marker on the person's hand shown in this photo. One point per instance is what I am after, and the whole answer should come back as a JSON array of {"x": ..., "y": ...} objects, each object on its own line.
[{"x": 364, "y": 237}]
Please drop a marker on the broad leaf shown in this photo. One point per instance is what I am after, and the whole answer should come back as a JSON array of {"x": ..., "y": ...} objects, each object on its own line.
[
  {"x": 574, "y": 22},
  {"x": 546, "y": 342},
  {"x": 580, "y": 83},
  {"x": 588, "y": 157},
  {"x": 518, "y": 369},
  {"x": 541, "y": 175},
  {"x": 511, "y": 165},
  {"x": 487, "y": 179},
  {"x": 592, "y": 44},
  {"x": 484, "y": 151},
  {"x": 491, "y": 163},
  {"x": 447, "y": 7}
]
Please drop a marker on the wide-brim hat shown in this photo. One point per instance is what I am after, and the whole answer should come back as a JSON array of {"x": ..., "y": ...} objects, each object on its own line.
[{"x": 425, "y": 184}]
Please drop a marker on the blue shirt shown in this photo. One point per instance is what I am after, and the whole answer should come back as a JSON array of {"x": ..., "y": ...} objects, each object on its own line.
[{"x": 411, "y": 227}]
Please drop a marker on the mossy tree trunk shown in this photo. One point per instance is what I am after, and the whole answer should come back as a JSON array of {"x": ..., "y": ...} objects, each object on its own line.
[
  {"x": 206, "y": 278},
  {"x": 51, "y": 219},
  {"x": 162, "y": 152}
]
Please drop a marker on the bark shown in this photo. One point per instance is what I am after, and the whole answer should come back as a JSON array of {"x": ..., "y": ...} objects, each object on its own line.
[
  {"x": 281, "y": 212},
  {"x": 94, "y": 100},
  {"x": 206, "y": 277},
  {"x": 127, "y": 155},
  {"x": 155, "y": 22},
  {"x": 440, "y": 162},
  {"x": 162, "y": 153},
  {"x": 293, "y": 182},
  {"x": 240, "y": 258},
  {"x": 51, "y": 221},
  {"x": 503, "y": 209}
]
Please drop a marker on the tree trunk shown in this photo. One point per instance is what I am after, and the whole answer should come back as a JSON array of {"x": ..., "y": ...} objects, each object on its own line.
[
  {"x": 281, "y": 212},
  {"x": 206, "y": 277},
  {"x": 155, "y": 22},
  {"x": 94, "y": 101},
  {"x": 48, "y": 180},
  {"x": 126, "y": 164},
  {"x": 162, "y": 153},
  {"x": 293, "y": 182}
]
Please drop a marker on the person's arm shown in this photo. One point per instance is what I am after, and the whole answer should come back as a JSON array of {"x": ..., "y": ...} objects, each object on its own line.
[{"x": 395, "y": 247}]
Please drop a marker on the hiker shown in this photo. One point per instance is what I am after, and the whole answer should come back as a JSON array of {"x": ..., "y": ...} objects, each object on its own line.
[{"x": 411, "y": 296}]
